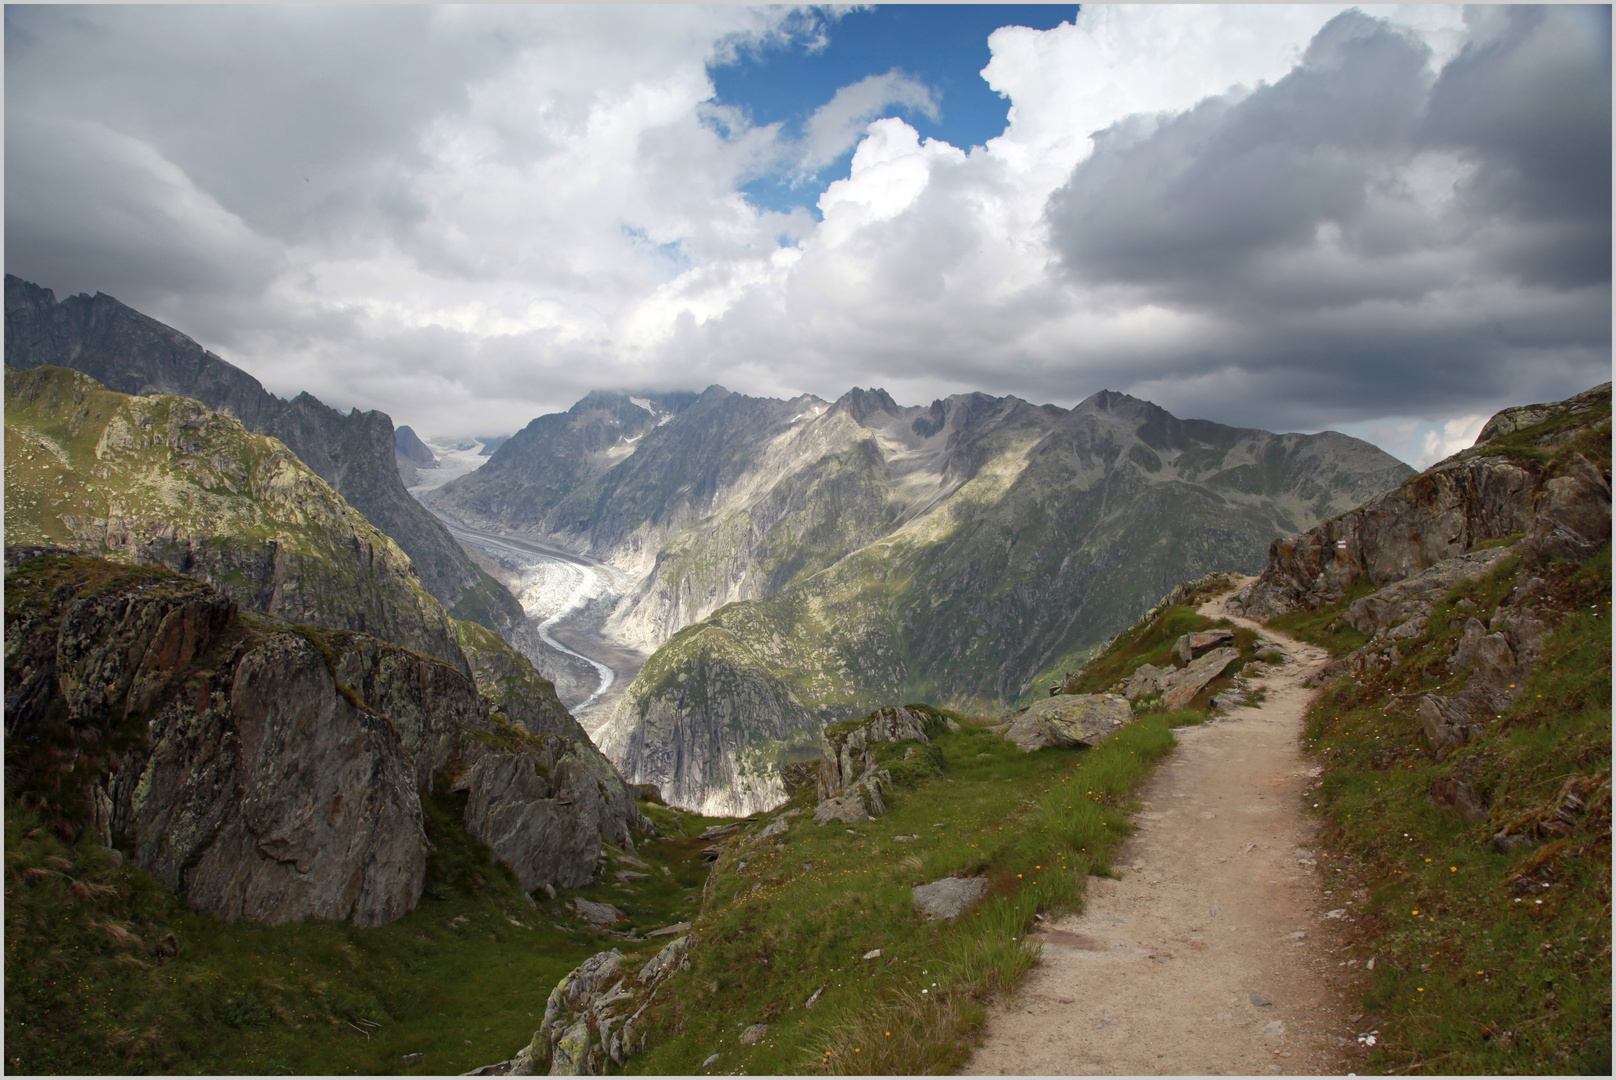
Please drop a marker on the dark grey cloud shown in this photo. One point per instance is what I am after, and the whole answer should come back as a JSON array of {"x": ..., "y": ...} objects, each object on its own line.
[
  {"x": 1360, "y": 229},
  {"x": 296, "y": 119}
]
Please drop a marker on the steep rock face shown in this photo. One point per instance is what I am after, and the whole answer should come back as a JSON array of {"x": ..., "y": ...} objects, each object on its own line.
[
  {"x": 412, "y": 455},
  {"x": 278, "y": 799},
  {"x": 530, "y": 473},
  {"x": 708, "y": 724},
  {"x": 544, "y": 803},
  {"x": 133, "y": 354},
  {"x": 542, "y": 795},
  {"x": 1513, "y": 480},
  {"x": 164, "y": 480},
  {"x": 268, "y": 772}
]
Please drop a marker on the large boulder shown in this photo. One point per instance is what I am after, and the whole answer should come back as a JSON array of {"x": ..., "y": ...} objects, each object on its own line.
[
  {"x": 948, "y": 897},
  {"x": 1069, "y": 720},
  {"x": 1146, "y": 680},
  {"x": 1186, "y": 683},
  {"x": 268, "y": 795},
  {"x": 1200, "y": 642}
]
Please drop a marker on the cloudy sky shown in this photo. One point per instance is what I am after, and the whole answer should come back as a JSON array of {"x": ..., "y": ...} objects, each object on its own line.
[{"x": 1387, "y": 221}]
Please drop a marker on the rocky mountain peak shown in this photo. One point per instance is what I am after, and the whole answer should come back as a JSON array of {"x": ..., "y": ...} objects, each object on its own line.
[{"x": 861, "y": 404}]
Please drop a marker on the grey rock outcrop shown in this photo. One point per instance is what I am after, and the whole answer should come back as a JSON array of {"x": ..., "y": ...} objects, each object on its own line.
[
  {"x": 280, "y": 801},
  {"x": 589, "y": 1017},
  {"x": 1197, "y": 644},
  {"x": 544, "y": 808},
  {"x": 949, "y": 897},
  {"x": 1146, "y": 680},
  {"x": 1181, "y": 687},
  {"x": 852, "y": 784},
  {"x": 1069, "y": 720},
  {"x": 845, "y": 749},
  {"x": 278, "y": 771},
  {"x": 1481, "y": 494}
]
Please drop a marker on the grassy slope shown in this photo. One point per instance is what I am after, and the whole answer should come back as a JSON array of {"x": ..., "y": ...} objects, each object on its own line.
[
  {"x": 1485, "y": 962},
  {"x": 87, "y": 992},
  {"x": 89, "y": 989}
]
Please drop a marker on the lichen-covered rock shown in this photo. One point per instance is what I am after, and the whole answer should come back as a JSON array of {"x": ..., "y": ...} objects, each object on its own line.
[
  {"x": 277, "y": 799},
  {"x": 1147, "y": 679},
  {"x": 1413, "y": 598},
  {"x": 1481, "y": 494},
  {"x": 517, "y": 808},
  {"x": 1571, "y": 518},
  {"x": 268, "y": 772},
  {"x": 1069, "y": 720},
  {"x": 845, "y": 748},
  {"x": 862, "y": 801},
  {"x": 1183, "y": 685},
  {"x": 589, "y": 1016},
  {"x": 948, "y": 897},
  {"x": 1200, "y": 642}
]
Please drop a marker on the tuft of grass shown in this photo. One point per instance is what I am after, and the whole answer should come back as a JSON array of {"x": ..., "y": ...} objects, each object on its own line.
[{"x": 785, "y": 920}]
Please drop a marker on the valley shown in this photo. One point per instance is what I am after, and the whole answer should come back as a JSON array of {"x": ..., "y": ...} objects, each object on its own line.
[
  {"x": 232, "y": 707},
  {"x": 567, "y": 597}
]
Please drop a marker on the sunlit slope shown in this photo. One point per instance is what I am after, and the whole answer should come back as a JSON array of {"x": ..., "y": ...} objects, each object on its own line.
[{"x": 164, "y": 480}]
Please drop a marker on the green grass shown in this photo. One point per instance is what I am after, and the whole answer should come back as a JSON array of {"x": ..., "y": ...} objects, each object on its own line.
[
  {"x": 88, "y": 991},
  {"x": 1148, "y": 642},
  {"x": 798, "y": 917},
  {"x": 1487, "y": 963}
]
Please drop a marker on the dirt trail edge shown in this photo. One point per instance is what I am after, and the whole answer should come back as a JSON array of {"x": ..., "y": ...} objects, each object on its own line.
[{"x": 1213, "y": 952}]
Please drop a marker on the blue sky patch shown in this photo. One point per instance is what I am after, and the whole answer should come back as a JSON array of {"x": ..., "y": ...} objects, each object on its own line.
[{"x": 939, "y": 47}]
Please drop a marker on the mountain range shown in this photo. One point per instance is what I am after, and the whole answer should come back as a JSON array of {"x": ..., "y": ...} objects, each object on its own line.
[
  {"x": 797, "y": 561},
  {"x": 803, "y": 561}
]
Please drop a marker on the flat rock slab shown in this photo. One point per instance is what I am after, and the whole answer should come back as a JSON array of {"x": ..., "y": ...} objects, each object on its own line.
[
  {"x": 1069, "y": 720},
  {"x": 1183, "y": 686},
  {"x": 1213, "y": 884},
  {"x": 598, "y": 914},
  {"x": 949, "y": 896},
  {"x": 1201, "y": 642}
]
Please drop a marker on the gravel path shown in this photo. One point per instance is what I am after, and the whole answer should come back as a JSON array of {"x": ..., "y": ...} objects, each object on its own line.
[{"x": 1213, "y": 952}]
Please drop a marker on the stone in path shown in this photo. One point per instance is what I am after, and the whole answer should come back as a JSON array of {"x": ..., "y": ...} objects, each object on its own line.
[{"x": 1162, "y": 973}]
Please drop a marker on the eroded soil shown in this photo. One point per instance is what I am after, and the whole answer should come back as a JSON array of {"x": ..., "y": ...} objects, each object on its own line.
[{"x": 1213, "y": 953}]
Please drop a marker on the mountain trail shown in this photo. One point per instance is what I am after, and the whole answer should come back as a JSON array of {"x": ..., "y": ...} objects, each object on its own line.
[{"x": 1212, "y": 953}]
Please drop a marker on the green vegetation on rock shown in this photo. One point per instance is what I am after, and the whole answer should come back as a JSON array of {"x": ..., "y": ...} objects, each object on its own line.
[{"x": 165, "y": 480}]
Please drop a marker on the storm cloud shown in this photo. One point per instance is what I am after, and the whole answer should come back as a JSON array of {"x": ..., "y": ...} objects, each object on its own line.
[
  {"x": 1362, "y": 216},
  {"x": 1391, "y": 222}
]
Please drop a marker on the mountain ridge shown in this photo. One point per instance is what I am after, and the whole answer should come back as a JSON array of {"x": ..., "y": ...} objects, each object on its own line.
[
  {"x": 132, "y": 353},
  {"x": 866, "y": 552}
]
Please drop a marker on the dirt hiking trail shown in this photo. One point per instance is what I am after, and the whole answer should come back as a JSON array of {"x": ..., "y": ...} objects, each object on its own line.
[{"x": 1212, "y": 953}]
